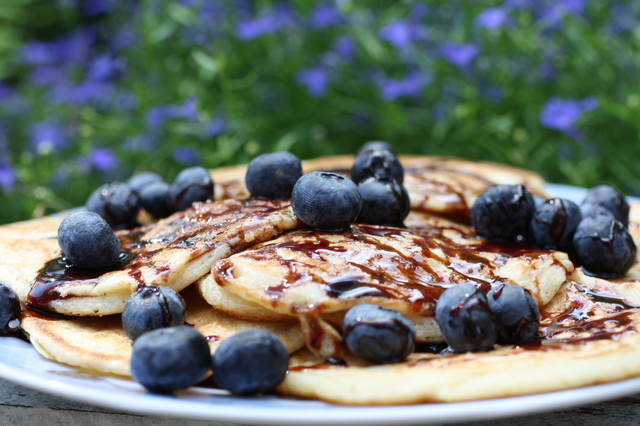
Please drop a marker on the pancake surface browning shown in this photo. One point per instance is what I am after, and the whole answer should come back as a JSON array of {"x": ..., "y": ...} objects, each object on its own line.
[
  {"x": 100, "y": 344},
  {"x": 174, "y": 252},
  {"x": 310, "y": 274}
]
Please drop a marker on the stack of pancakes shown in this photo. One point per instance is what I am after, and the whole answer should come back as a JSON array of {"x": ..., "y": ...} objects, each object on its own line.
[{"x": 251, "y": 264}]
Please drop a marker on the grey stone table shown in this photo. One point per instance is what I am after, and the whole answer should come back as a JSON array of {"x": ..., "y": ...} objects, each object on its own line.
[{"x": 22, "y": 406}]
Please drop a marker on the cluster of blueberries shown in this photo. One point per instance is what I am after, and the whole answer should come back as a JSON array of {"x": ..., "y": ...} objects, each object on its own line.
[
  {"x": 169, "y": 355},
  {"x": 595, "y": 234}
]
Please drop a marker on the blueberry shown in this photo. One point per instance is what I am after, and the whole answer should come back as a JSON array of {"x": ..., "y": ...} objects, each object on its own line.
[
  {"x": 516, "y": 313},
  {"x": 326, "y": 201},
  {"x": 150, "y": 308},
  {"x": 377, "y": 146},
  {"x": 9, "y": 307},
  {"x": 604, "y": 246},
  {"x": 117, "y": 203},
  {"x": 191, "y": 185},
  {"x": 380, "y": 164},
  {"x": 250, "y": 362},
  {"x": 87, "y": 240},
  {"x": 609, "y": 198},
  {"x": 503, "y": 212},
  {"x": 140, "y": 180},
  {"x": 154, "y": 198},
  {"x": 168, "y": 359},
  {"x": 272, "y": 176},
  {"x": 378, "y": 335},
  {"x": 554, "y": 223},
  {"x": 465, "y": 319},
  {"x": 384, "y": 202}
]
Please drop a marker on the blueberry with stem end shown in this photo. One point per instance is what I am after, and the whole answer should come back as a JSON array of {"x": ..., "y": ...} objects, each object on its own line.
[
  {"x": 380, "y": 164},
  {"x": 117, "y": 203},
  {"x": 191, "y": 185},
  {"x": 503, "y": 212},
  {"x": 384, "y": 202},
  {"x": 516, "y": 313},
  {"x": 152, "y": 307},
  {"x": 87, "y": 240}
]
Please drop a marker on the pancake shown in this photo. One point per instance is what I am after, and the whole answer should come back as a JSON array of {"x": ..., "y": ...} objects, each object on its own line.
[
  {"x": 444, "y": 186},
  {"x": 174, "y": 252},
  {"x": 308, "y": 273},
  {"x": 586, "y": 337},
  {"x": 100, "y": 344}
]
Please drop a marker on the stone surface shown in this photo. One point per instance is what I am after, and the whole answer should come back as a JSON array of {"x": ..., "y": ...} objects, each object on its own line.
[{"x": 21, "y": 406}]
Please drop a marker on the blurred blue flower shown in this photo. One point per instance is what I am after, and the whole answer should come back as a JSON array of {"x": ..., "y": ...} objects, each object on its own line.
[
  {"x": 47, "y": 136},
  {"x": 157, "y": 116},
  {"x": 75, "y": 48},
  {"x": 184, "y": 155},
  {"x": 95, "y": 7},
  {"x": 624, "y": 17},
  {"x": 521, "y": 4},
  {"x": 399, "y": 33},
  {"x": 562, "y": 114},
  {"x": 47, "y": 75},
  {"x": 269, "y": 21},
  {"x": 460, "y": 55},
  {"x": 79, "y": 94},
  {"x": 345, "y": 47},
  {"x": 411, "y": 85},
  {"x": 7, "y": 177},
  {"x": 38, "y": 53},
  {"x": 125, "y": 37},
  {"x": 326, "y": 15},
  {"x": 315, "y": 80},
  {"x": 5, "y": 90},
  {"x": 103, "y": 159},
  {"x": 104, "y": 67},
  {"x": 492, "y": 18},
  {"x": 214, "y": 127}
]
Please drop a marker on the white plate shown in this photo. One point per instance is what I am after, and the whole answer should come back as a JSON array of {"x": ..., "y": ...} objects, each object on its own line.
[{"x": 20, "y": 363}]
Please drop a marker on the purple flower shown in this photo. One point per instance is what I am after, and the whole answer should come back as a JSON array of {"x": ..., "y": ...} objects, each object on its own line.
[
  {"x": 47, "y": 76},
  {"x": 325, "y": 15},
  {"x": 411, "y": 85},
  {"x": 47, "y": 136},
  {"x": 124, "y": 38},
  {"x": 345, "y": 48},
  {"x": 103, "y": 159},
  {"x": 76, "y": 47},
  {"x": 95, "y": 7},
  {"x": 562, "y": 114},
  {"x": 214, "y": 127},
  {"x": 270, "y": 21},
  {"x": 460, "y": 55},
  {"x": 184, "y": 155},
  {"x": 80, "y": 94},
  {"x": 399, "y": 33},
  {"x": 157, "y": 116},
  {"x": 315, "y": 80},
  {"x": 104, "y": 67},
  {"x": 5, "y": 90},
  {"x": 7, "y": 177},
  {"x": 38, "y": 53},
  {"x": 492, "y": 18}
]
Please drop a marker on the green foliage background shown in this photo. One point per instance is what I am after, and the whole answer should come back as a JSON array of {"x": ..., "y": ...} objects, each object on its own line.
[{"x": 191, "y": 59}]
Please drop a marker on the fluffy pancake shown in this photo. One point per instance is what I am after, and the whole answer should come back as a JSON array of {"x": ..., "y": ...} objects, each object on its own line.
[
  {"x": 174, "y": 252},
  {"x": 587, "y": 337},
  {"x": 310, "y": 273},
  {"x": 101, "y": 345}
]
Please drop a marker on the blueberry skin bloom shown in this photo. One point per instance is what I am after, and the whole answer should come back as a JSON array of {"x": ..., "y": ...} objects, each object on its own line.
[
  {"x": 272, "y": 176},
  {"x": 150, "y": 308},
  {"x": 380, "y": 164},
  {"x": 378, "y": 335},
  {"x": 117, "y": 203},
  {"x": 604, "y": 247},
  {"x": 87, "y": 240},
  {"x": 326, "y": 201},
  {"x": 250, "y": 362},
  {"x": 516, "y": 313},
  {"x": 503, "y": 212},
  {"x": 191, "y": 185},
  {"x": 9, "y": 307},
  {"x": 167, "y": 359},
  {"x": 384, "y": 202},
  {"x": 377, "y": 146},
  {"x": 154, "y": 198},
  {"x": 609, "y": 198},
  {"x": 554, "y": 223},
  {"x": 465, "y": 319}
]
